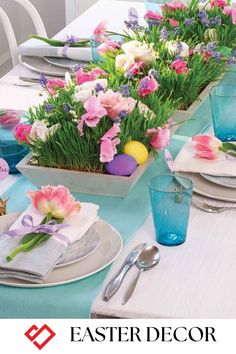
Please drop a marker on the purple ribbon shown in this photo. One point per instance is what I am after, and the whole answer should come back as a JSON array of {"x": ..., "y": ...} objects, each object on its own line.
[
  {"x": 51, "y": 228},
  {"x": 70, "y": 40}
]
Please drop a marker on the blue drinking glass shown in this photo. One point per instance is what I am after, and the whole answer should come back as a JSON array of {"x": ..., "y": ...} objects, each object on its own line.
[
  {"x": 97, "y": 40},
  {"x": 10, "y": 150},
  {"x": 223, "y": 108},
  {"x": 154, "y": 5},
  {"x": 170, "y": 200}
]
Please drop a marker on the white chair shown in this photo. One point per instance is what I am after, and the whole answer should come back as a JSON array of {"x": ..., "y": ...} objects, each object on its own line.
[{"x": 36, "y": 19}]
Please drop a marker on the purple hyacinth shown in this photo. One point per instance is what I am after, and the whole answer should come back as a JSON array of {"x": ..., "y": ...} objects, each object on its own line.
[
  {"x": 128, "y": 75},
  {"x": 163, "y": 33},
  {"x": 216, "y": 21},
  {"x": 231, "y": 61},
  {"x": 217, "y": 56},
  {"x": 98, "y": 87},
  {"x": 76, "y": 67},
  {"x": 202, "y": 14},
  {"x": 188, "y": 21},
  {"x": 206, "y": 22},
  {"x": 153, "y": 73},
  {"x": 123, "y": 114},
  {"x": 43, "y": 80},
  {"x": 143, "y": 83},
  {"x": 48, "y": 107},
  {"x": 125, "y": 90},
  {"x": 211, "y": 46},
  {"x": 133, "y": 14},
  {"x": 153, "y": 22},
  {"x": 133, "y": 25}
]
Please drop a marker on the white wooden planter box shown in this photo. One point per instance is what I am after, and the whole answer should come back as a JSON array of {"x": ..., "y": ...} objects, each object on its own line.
[{"x": 83, "y": 182}]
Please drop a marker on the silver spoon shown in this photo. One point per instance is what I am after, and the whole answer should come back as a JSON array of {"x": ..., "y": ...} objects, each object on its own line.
[{"x": 147, "y": 259}]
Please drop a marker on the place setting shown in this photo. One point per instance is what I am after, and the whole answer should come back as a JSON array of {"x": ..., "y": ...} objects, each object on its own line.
[{"x": 51, "y": 244}]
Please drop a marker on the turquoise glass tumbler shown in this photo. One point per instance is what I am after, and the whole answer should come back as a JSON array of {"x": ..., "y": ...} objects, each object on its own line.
[
  {"x": 223, "y": 108},
  {"x": 154, "y": 5},
  {"x": 170, "y": 200},
  {"x": 95, "y": 41}
]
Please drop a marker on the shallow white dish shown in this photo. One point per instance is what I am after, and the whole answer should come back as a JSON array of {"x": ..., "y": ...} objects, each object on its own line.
[
  {"x": 229, "y": 182},
  {"x": 211, "y": 190},
  {"x": 107, "y": 251},
  {"x": 40, "y": 66},
  {"x": 62, "y": 62},
  {"x": 81, "y": 248}
]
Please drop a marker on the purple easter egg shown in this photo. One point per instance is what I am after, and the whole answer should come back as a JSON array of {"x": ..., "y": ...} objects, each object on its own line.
[{"x": 121, "y": 165}]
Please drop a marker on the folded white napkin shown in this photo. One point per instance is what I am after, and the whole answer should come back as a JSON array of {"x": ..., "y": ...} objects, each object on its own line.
[
  {"x": 36, "y": 264},
  {"x": 187, "y": 162},
  {"x": 34, "y": 47}
]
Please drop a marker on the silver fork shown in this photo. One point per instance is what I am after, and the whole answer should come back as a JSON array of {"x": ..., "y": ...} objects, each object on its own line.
[{"x": 210, "y": 208}]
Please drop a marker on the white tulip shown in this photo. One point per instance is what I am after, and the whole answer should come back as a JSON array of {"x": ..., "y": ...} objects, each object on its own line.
[
  {"x": 139, "y": 51},
  {"x": 39, "y": 130}
]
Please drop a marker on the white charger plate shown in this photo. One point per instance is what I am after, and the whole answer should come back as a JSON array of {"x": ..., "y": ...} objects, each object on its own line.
[
  {"x": 229, "y": 182},
  {"x": 211, "y": 190},
  {"x": 41, "y": 66},
  {"x": 63, "y": 62},
  {"x": 107, "y": 251}
]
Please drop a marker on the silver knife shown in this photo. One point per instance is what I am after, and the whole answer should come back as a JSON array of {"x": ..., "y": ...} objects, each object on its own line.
[{"x": 115, "y": 283}]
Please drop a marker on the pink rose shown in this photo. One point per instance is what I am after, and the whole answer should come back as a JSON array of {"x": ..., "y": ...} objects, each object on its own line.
[
  {"x": 54, "y": 85},
  {"x": 55, "y": 200},
  {"x": 22, "y": 132},
  {"x": 206, "y": 146},
  {"x": 82, "y": 77},
  {"x": 173, "y": 22},
  {"x": 108, "y": 144},
  {"x": 147, "y": 85},
  {"x": 160, "y": 137},
  {"x": 153, "y": 16},
  {"x": 108, "y": 45},
  {"x": 115, "y": 103},
  {"x": 180, "y": 66},
  {"x": 101, "y": 28},
  {"x": 9, "y": 118}
]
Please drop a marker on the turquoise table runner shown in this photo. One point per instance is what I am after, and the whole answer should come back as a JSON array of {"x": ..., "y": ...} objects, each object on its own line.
[{"x": 127, "y": 215}]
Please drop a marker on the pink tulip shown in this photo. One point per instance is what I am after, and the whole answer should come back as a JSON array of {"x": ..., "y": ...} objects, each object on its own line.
[
  {"x": 82, "y": 77},
  {"x": 108, "y": 144},
  {"x": 115, "y": 103},
  {"x": 176, "y": 5},
  {"x": 218, "y": 3},
  {"x": 95, "y": 111},
  {"x": 151, "y": 15},
  {"x": 206, "y": 146},
  {"x": 22, "y": 132},
  {"x": 173, "y": 22},
  {"x": 180, "y": 66},
  {"x": 230, "y": 11},
  {"x": 9, "y": 118},
  {"x": 101, "y": 28},
  {"x": 160, "y": 137},
  {"x": 107, "y": 46},
  {"x": 147, "y": 85},
  {"x": 55, "y": 200},
  {"x": 54, "y": 85}
]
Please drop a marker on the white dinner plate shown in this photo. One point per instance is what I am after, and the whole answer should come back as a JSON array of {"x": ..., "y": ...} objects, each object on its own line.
[
  {"x": 81, "y": 248},
  {"x": 63, "y": 62},
  {"x": 106, "y": 252},
  {"x": 41, "y": 66},
  {"x": 209, "y": 189},
  {"x": 224, "y": 181}
]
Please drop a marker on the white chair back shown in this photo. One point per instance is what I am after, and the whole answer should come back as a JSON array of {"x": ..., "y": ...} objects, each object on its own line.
[
  {"x": 4, "y": 19},
  {"x": 38, "y": 23}
]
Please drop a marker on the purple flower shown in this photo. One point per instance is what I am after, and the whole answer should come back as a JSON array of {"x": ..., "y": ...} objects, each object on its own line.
[
  {"x": 153, "y": 72},
  {"x": 98, "y": 87},
  {"x": 206, "y": 22},
  {"x": 123, "y": 114},
  {"x": 133, "y": 14},
  {"x": 133, "y": 25},
  {"x": 217, "y": 56},
  {"x": 216, "y": 21},
  {"x": 125, "y": 90},
  {"x": 76, "y": 67},
  {"x": 143, "y": 83},
  {"x": 128, "y": 75},
  {"x": 153, "y": 22},
  {"x": 202, "y": 14},
  {"x": 48, "y": 107},
  {"x": 211, "y": 46},
  {"x": 231, "y": 61},
  {"x": 163, "y": 33},
  {"x": 188, "y": 21},
  {"x": 43, "y": 80}
]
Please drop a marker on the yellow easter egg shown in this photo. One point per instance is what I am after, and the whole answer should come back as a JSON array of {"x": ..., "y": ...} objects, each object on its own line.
[{"x": 137, "y": 150}]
